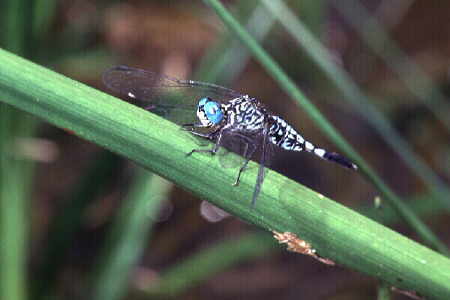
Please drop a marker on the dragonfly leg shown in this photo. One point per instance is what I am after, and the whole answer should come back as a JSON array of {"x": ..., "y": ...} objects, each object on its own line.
[
  {"x": 191, "y": 127},
  {"x": 211, "y": 135},
  {"x": 241, "y": 169},
  {"x": 208, "y": 135},
  {"x": 247, "y": 155}
]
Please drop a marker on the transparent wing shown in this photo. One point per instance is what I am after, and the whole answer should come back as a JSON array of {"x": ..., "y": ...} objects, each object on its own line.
[
  {"x": 265, "y": 159},
  {"x": 253, "y": 145},
  {"x": 173, "y": 98}
]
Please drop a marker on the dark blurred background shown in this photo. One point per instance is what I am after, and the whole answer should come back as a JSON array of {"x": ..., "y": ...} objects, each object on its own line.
[{"x": 77, "y": 190}]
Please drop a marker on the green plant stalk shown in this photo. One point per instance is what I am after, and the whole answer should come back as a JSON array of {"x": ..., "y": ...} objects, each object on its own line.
[
  {"x": 383, "y": 291},
  {"x": 113, "y": 272},
  {"x": 44, "y": 12},
  {"x": 313, "y": 13},
  {"x": 14, "y": 25},
  {"x": 210, "y": 261},
  {"x": 15, "y": 170},
  {"x": 358, "y": 99},
  {"x": 421, "y": 206},
  {"x": 128, "y": 237},
  {"x": 13, "y": 226},
  {"x": 229, "y": 57},
  {"x": 289, "y": 86},
  {"x": 227, "y": 253},
  {"x": 44, "y": 48},
  {"x": 70, "y": 218},
  {"x": 284, "y": 205},
  {"x": 413, "y": 77}
]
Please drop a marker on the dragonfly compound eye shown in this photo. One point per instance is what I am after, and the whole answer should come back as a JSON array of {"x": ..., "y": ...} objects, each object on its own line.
[{"x": 211, "y": 110}]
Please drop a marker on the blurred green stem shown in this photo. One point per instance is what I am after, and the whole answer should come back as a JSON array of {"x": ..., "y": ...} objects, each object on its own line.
[
  {"x": 207, "y": 262},
  {"x": 180, "y": 277},
  {"x": 383, "y": 291},
  {"x": 413, "y": 77},
  {"x": 128, "y": 236},
  {"x": 228, "y": 58},
  {"x": 356, "y": 97},
  {"x": 15, "y": 169},
  {"x": 14, "y": 179},
  {"x": 69, "y": 220},
  {"x": 289, "y": 86},
  {"x": 283, "y": 205}
]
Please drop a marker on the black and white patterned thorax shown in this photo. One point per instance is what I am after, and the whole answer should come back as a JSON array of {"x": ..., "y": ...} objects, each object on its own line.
[{"x": 245, "y": 114}]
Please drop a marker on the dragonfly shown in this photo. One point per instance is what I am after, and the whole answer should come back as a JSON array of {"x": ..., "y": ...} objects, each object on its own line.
[{"x": 215, "y": 113}]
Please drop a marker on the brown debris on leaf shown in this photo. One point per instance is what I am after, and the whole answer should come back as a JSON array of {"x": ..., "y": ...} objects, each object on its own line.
[{"x": 298, "y": 245}]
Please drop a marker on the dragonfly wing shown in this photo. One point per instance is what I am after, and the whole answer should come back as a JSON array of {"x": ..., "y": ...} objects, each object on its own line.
[
  {"x": 173, "y": 98},
  {"x": 261, "y": 169}
]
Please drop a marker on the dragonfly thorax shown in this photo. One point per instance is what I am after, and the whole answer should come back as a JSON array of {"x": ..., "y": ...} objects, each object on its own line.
[
  {"x": 244, "y": 114},
  {"x": 209, "y": 112}
]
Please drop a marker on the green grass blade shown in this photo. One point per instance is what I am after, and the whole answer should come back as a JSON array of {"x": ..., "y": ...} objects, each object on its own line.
[
  {"x": 15, "y": 24},
  {"x": 208, "y": 262},
  {"x": 229, "y": 57},
  {"x": 129, "y": 235},
  {"x": 284, "y": 205},
  {"x": 289, "y": 86},
  {"x": 383, "y": 291},
  {"x": 13, "y": 221},
  {"x": 415, "y": 79},
  {"x": 421, "y": 206},
  {"x": 15, "y": 169},
  {"x": 313, "y": 13},
  {"x": 184, "y": 275},
  {"x": 69, "y": 219},
  {"x": 356, "y": 97}
]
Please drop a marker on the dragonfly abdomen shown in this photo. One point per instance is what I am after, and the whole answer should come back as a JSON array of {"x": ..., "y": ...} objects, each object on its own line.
[{"x": 285, "y": 136}]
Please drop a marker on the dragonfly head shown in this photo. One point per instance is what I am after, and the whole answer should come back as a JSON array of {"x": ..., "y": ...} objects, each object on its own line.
[{"x": 209, "y": 112}]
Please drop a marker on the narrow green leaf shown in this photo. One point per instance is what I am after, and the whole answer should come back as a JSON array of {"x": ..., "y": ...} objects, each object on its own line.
[
  {"x": 129, "y": 235},
  {"x": 208, "y": 262},
  {"x": 355, "y": 96},
  {"x": 334, "y": 231},
  {"x": 414, "y": 78},
  {"x": 219, "y": 257},
  {"x": 289, "y": 86},
  {"x": 15, "y": 170},
  {"x": 226, "y": 60},
  {"x": 383, "y": 291},
  {"x": 13, "y": 226},
  {"x": 69, "y": 219}
]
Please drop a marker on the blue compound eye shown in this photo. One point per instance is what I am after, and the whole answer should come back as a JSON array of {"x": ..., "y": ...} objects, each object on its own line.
[
  {"x": 212, "y": 110},
  {"x": 203, "y": 101}
]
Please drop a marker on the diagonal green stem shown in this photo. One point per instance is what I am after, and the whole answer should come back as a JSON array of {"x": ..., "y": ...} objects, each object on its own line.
[
  {"x": 229, "y": 57},
  {"x": 181, "y": 276},
  {"x": 284, "y": 205},
  {"x": 127, "y": 238},
  {"x": 64, "y": 225},
  {"x": 16, "y": 171},
  {"x": 289, "y": 86},
  {"x": 210, "y": 261},
  {"x": 414, "y": 78},
  {"x": 359, "y": 100}
]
